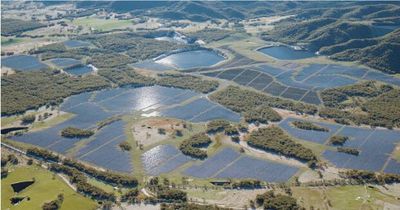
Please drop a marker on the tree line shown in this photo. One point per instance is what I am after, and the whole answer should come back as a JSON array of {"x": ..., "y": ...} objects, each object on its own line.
[
  {"x": 274, "y": 139},
  {"x": 191, "y": 146}
]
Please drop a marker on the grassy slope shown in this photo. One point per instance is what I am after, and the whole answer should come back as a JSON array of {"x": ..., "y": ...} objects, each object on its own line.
[
  {"x": 343, "y": 197},
  {"x": 52, "y": 122},
  {"x": 45, "y": 189},
  {"x": 101, "y": 24}
]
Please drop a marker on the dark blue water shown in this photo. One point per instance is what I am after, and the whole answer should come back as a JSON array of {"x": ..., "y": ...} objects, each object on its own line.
[
  {"x": 23, "y": 63},
  {"x": 286, "y": 53},
  {"x": 192, "y": 59},
  {"x": 79, "y": 70},
  {"x": 65, "y": 62}
]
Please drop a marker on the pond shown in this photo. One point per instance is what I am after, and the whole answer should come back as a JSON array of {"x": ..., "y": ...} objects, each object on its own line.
[
  {"x": 65, "y": 62},
  {"x": 79, "y": 70},
  {"x": 286, "y": 53},
  {"x": 191, "y": 59},
  {"x": 23, "y": 63}
]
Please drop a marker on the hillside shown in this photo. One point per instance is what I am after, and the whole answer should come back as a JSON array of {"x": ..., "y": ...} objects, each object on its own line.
[{"x": 380, "y": 53}]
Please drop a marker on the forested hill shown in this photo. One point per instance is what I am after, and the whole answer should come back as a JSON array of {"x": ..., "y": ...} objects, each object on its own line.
[{"x": 379, "y": 53}]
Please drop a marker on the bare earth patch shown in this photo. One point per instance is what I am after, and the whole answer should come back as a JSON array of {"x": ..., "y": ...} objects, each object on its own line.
[{"x": 146, "y": 132}]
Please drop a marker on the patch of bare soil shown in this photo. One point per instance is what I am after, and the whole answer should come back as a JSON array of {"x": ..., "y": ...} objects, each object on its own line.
[
  {"x": 236, "y": 198},
  {"x": 154, "y": 130}
]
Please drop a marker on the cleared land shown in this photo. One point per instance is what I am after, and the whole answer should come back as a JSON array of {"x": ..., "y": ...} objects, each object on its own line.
[{"x": 46, "y": 188}]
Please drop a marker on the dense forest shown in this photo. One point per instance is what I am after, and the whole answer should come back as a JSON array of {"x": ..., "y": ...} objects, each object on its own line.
[
  {"x": 274, "y": 139},
  {"x": 31, "y": 90},
  {"x": 71, "y": 132},
  {"x": 261, "y": 114},
  {"x": 10, "y": 27},
  {"x": 370, "y": 177},
  {"x": 242, "y": 100},
  {"x": 271, "y": 200},
  {"x": 192, "y": 146},
  {"x": 216, "y": 126},
  {"x": 187, "y": 82},
  {"x": 82, "y": 185},
  {"x": 376, "y": 104},
  {"x": 309, "y": 126},
  {"x": 338, "y": 140},
  {"x": 348, "y": 150}
]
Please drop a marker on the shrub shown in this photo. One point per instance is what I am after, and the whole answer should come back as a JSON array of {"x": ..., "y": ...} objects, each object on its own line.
[
  {"x": 71, "y": 132},
  {"x": 217, "y": 126},
  {"x": 191, "y": 146},
  {"x": 348, "y": 150},
  {"x": 125, "y": 146},
  {"x": 28, "y": 119},
  {"x": 309, "y": 126},
  {"x": 276, "y": 140},
  {"x": 262, "y": 114},
  {"x": 338, "y": 140},
  {"x": 44, "y": 154}
]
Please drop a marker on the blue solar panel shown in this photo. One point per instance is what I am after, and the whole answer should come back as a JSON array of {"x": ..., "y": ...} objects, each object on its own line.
[
  {"x": 393, "y": 167},
  {"x": 309, "y": 135},
  {"x": 246, "y": 77},
  {"x": 374, "y": 75},
  {"x": 357, "y": 136},
  {"x": 261, "y": 82},
  {"x": 329, "y": 81},
  {"x": 308, "y": 71},
  {"x": 158, "y": 155},
  {"x": 75, "y": 100},
  {"x": 339, "y": 159},
  {"x": 217, "y": 112},
  {"x": 273, "y": 71},
  {"x": 190, "y": 110},
  {"x": 287, "y": 79},
  {"x": 103, "y": 136},
  {"x": 213, "y": 164},
  {"x": 23, "y": 63},
  {"x": 170, "y": 165},
  {"x": 252, "y": 168},
  {"x": 344, "y": 70},
  {"x": 230, "y": 74},
  {"x": 294, "y": 93},
  {"x": 312, "y": 98},
  {"x": 275, "y": 89}
]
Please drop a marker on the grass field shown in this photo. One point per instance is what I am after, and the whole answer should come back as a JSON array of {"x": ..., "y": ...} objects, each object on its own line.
[
  {"x": 9, "y": 41},
  {"x": 52, "y": 122},
  {"x": 46, "y": 188},
  {"x": 9, "y": 120},
  {"x": 102, "y": 24},
  {"x": 344, "y": 197}
]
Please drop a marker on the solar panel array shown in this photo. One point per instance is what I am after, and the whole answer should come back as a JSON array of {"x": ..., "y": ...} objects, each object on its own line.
[
  {"x": 309, "y": 135},
  {"x": 299, "y": 85},
  {"x": 23, "y": 63},
  {"x": 163, "y": 159},
  {"x": 230, "y": 164},
  {"x": 201, "y": 110},
  {"x": 91, "y": 108},
  {"x": 375, "y": 145}
]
